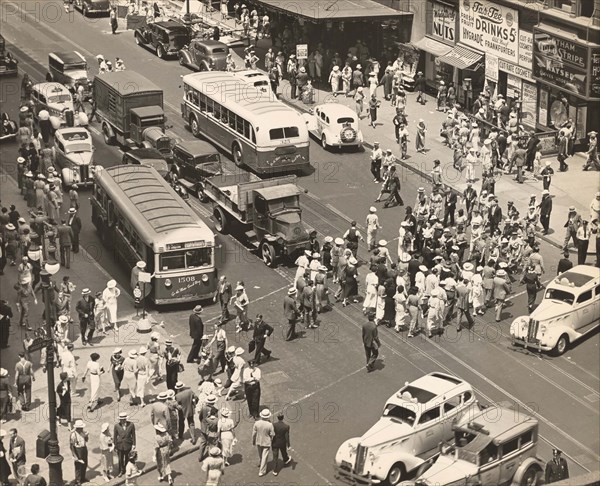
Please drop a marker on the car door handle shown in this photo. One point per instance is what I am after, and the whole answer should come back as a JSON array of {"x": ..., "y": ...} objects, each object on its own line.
[
  {"x": 429, "y": 433},
  {"x": 510, "y": 466}
]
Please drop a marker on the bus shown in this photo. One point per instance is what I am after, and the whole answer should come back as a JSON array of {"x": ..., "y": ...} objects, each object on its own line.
[
  {"x": 259, "y": 131},
  {"x": 139, "y": 216}
]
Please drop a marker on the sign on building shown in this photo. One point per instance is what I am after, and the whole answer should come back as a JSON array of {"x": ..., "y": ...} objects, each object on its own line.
[
  {"x": 443, "y": 24},
  {"x": 491, "y": 67},
  {"x": 525, "y": 49},
  {"x": 302, "y": 51},
  {"x": 490, "y": 28}
]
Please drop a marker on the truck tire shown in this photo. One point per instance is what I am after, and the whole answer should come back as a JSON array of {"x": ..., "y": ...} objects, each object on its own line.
[
  {"x": 221, "y": 223},
  {"x": 194, "y": 126},
  {"x": 395, "y": 475},
  {"x": 108, "y": 138},
  {"x": 268, "y": 255},
  {"x": 236, "y": 153},
  {"x": 531, "y": 476}
]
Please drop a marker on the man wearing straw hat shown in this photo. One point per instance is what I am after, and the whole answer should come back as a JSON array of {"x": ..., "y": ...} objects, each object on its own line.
[
  {"x": 262, "y": 437},
  {"x": 290, "y": 312},
  {"x": 124, "y": 440},
  {"x": 79, "y": 450}
]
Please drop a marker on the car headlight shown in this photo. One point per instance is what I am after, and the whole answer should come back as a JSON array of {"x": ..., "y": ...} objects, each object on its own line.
[
  {"x": 280, "y": 241},
  {"x": 204, "y": 278},
  {"x": 543, "y": 328},
  {"x": 168, "y": 283}
]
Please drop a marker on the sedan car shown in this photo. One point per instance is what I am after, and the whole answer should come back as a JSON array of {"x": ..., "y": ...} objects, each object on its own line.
[
  {"x": 335, "y": 125},
  {"x": 165, "y": 38},
  {"x": 204, "y": 55},
  {"x": 92, "y": 7},
  {"x": 57, "y": 100},
  {"x": 569, "y": 310},
  {"x": 74, "y": 156},
  {"x": 149, "y": 157}
]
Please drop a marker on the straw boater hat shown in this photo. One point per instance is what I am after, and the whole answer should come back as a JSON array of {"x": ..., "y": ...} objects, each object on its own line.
[
  {"x": 353, "y": 261},
  {"x": 141, "y": 265},
  {"x": 79, "y": 424},
  {"x": 328, "y": 239},
  {"x": 336, "y": 68},
  {"x": 123, "y": 415},
  {"x": 372, "y": 209},
  {"x": 239, "y": 287},
  {"x": 339, "y": 241},
  {"x": 143, "y": 350},
  {"x": 239, "y": 351},
  {"x": 162, "y": 396},
  {"x": 226, "y": 412},
  {"x": 214, "y": 451},
  {"x": 132, "y": 354},
  {"x": 382, "y": 243},
  {"x": 291, "y": 291},
  {"x": 423, "y": 268},
  {"x": 160, "y": 428},
  {"x": 322, "y": 268},
  {"x": 117, "y": 351},
  {"x": 198, "y": 309},
  {"x": 111, "y": 284},
  {"x": 468, "y": 267},
  {"x": 85, "y": 291},
  {"x": 265, "y": 414},
  {"x": 211, "y": 399},
  {"x": 10, "y": 226}
]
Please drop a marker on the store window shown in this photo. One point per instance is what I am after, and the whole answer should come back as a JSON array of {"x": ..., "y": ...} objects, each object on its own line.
[
  {"x": 565, "y": 5},
  {"x": 557, "y": 107},
  {"x": 586, "y": 9}
]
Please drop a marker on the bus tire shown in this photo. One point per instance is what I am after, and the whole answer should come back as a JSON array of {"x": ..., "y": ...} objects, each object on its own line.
[
  {"x": 236, "y": 153},
  {"x": 221, "y": 224},
  {"x": 194, "y": 126},
  {"x": 268, "y": 255}
]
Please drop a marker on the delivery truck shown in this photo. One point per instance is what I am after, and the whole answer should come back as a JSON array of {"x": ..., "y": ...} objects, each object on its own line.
[{"x": 130, "y": 108}]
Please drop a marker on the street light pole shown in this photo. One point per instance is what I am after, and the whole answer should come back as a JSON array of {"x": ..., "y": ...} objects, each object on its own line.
[{"x": 54, "y": 458}]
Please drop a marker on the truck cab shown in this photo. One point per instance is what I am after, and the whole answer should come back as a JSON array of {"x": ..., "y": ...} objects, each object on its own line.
[
  {"x": 145, "y": 119},
  {"x": 278, "y": 223}
]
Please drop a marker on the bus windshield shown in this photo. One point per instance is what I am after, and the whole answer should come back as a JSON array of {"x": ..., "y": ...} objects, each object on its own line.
[{"x": 179, "y": 260}]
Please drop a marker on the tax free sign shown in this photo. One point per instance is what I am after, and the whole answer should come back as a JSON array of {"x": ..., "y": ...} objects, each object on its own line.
[{"x": 491, "y": 28}]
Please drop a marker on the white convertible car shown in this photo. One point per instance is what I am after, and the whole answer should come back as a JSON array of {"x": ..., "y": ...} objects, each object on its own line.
[
  {"x": 335, "y": 125},
  {"x": 569, "y": 310},
  {"x": 74, "y": 155}
]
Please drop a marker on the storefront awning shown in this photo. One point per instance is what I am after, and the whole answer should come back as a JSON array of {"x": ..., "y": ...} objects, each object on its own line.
[
  {"x": 432, "y": 46},
  {"x": 461, "y": 57},
  {"x": 333, "y": 10}
]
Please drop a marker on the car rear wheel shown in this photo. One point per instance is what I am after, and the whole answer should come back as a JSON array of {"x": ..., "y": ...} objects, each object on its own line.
[
  {"x": 236, "y": 152},
  {"x": 160, "y": 52},
  {"x": 267, "y": 252},
  {"x": 181, "y": 60},
  {"x": 561, "y": 345},
  {"x": 194, "y": 126},
  {"x": 138, "y": 39},
  {"x": 220, "y": 220},
  {"x": 531, "y": 476},
  {"x": 395, "y": 475}
]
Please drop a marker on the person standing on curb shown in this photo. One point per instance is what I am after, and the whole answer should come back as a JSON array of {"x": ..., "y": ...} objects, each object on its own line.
[
  {"x": 280, "y": 443},
  {"x": 196, "y": 333},
  {"x": 79, "y": 450},
  {"x": 124, "y": 440},
  {"x": 262, "y": 437},
  {"x": 114, "y": 23}
]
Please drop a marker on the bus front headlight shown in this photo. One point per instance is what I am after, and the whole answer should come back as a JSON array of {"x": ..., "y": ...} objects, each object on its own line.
[
  {"x": 204, "y": 278},
  {"x": 168, "y": 283}
]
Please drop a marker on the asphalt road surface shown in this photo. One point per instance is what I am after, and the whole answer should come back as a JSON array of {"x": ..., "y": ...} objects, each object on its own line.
[{"x": 320, "y": 379}]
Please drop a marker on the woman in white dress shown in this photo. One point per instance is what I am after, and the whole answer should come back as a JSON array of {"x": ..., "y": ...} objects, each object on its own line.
[
  {"x": 478, "y": 294},
  {"x": 400, "y": 307},
  {"x": 226, "y": 433},
  {"x": 371, "y": 282},
  {"x": 110, "y": 297},
  {"x": 380, "y": 306},
  {"x": 94, "y": 370}
]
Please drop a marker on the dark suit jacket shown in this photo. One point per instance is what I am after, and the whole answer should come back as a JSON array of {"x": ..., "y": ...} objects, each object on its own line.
[
  {"x": 65, "y": 235},
  {"x": 187, "y": 400},
  {"x": 20, "y": 455},
  {"x": 370, "y": 334},
  {"x": 124, "y": 436},
  {"x": 75, "y": 224},
  {"x": 546, "y": 205},
  {"x": 290, "y": 309},
  {"x": 196, "y": 326},
  {"x": 85, "y": 307},
  {"x": 225, "y": 295},
  {"x": 282, "y": 434},
  {"x": 495, "y": 214}
]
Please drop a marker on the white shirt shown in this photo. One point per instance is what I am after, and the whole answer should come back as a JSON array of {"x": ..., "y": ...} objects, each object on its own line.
[
  {"x": 250, "y": 374},
  {"x": 376, "y": 153}
]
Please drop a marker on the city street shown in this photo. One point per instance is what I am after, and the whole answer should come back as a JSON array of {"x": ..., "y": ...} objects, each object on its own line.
[{"x": 319, "y": 380}]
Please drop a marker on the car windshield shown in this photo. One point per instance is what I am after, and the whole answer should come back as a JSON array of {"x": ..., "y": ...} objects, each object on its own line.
[
  {"x": 76, "y": 67},
  {"x": 560, "y": 295},
  {"x": 284, "y": 203},
  {"x": 194, "y": 258},
  {"x": 77, "y": 147},
  {"x": 75, "y": 136},
  {"x": 400, "y": 413},
  {"x": 218, "y": 50},
  {"x": 59, "y": 98}
]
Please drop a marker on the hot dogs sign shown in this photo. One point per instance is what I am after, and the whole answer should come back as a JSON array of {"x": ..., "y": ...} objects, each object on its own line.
[{"x": 491, "y": 28}]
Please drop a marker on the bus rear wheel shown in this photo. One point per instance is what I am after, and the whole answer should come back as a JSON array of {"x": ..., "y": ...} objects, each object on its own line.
[
  {"x": 236, "y": 152},
  {"x": 220, "y": 220}
]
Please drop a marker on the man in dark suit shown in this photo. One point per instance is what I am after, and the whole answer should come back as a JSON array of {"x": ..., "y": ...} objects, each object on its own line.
[
  {"x": 187, "y": 400},
  {"x": 545, "y": 210},
  {"x": 564, "y": 264},
  {"x": 74, "y": 221},
  {"x": 450, "y": 201},
  {"x": 262, "y": 331},
  {"x": 196, "y": 333},
  {"x": 85, "y": 310},
  {"x": 223, "y": 295},
  {"x": 370, "y": 338},
  {"x": 494, "y": 216},
  {"x": 280, "y": 443},
  {"x": 124, "y": 440},
  {"x": 557, "y": 468},
  {"x": 290, "y": 312},
  {"x": 65, "y": 239}
]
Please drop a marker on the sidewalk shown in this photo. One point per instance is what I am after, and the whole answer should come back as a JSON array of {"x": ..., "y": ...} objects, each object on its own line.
[{"x": 84, "y": 272}]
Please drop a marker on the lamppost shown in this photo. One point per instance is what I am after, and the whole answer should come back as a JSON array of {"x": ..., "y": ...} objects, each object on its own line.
[{"x": 54, "y": 458}]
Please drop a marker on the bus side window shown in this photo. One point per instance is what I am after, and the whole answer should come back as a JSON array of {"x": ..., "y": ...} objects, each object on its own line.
[
  {"x": 225, "y": 115},
  {"x": 209, "y": 105},
  {"x": 217, "y": 111},
  {"x": 232, "y": 119},
  {"x": 239, "y": 124},
  {"x": 246, "y": 129},
  {"x": 202, "y": 101}
]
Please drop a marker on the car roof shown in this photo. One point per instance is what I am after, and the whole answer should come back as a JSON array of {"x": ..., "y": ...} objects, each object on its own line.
[
  {"x": 196, "y": 147},
  {"x": 145, "y": 153},
  {"x": 210, "y": 43},
  {"x": 427, "y": 388},
  {"x": 577, "y": 277},
  {"x": 63, "y": 131},
  {"x": 51, "y": 86},
  {"x": 336, "y": 109},
  {"x": 499, "y": 423},
  {"x": 171, "y": 25},
  {"x": 68, "y": 57}
]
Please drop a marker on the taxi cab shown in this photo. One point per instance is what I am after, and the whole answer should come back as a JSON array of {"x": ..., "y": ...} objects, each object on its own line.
[
  {"x": 74, "y": 155},
  {"x": 335, "y": 125},
  {"x": 496, "y": 446},
  {"x": 414, "y": 421},
  {"x": 53, "y": 97},
  {"x": 569, "y": 310}
]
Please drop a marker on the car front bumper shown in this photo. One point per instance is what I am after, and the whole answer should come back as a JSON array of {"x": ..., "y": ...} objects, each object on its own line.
[
  {"x": 345, "y": 474},
  {"x": 530, "y": 343}
]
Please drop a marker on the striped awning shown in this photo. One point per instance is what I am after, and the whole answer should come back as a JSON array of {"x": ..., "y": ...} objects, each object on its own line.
[
  {"x": 461, "y": 57},
  {"x": 432, "y": 46}
]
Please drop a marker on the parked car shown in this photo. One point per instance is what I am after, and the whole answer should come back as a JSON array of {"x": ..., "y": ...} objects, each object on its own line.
[
  {"x": 74, "y": 155},
  {"x": 204, "y": 55},
  {"x": 149, "y": 157},
  {"x": 165, "y": 38},
  {"x": 57, "y": 100},
  {"x": 569, "y": 310},
  {"x": 335, "y": 125},
  {"x": 9, "y": 66},
  {"x": 414, "y": 421},
  {"x": 95, "y": 7},
  {"x": 194, "y": 161},
  {"x": 498, "y": 452},
  {"x": 70, "y": 69},
  {"x": 8, "y": 128},
  {"x": 258, "y": 79}
]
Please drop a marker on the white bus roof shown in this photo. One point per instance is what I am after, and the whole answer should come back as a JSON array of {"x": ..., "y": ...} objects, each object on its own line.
[
  {"x": 152, "y": 207},
  {"x": 242, "y": 98}
]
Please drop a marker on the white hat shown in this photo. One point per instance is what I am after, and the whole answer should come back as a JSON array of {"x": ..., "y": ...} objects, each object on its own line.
[
  {"x": 423, "y": 268},
  {"x": 63, "y": 319},
  {"x": 79, "y": 424},
  {"x": 501, "y": 273},
  {"x": 143, "y": 350},
  {"x": 307, "y": 252},
  {"x": 545, "y": 191},
  {"x": 3, "y": 372},
  {"x": 111, "y": 284},
  {"x": 132, "y": 354},
  {"x": 85, "y": 291},
  {"x": 162, "y": 396},
  {"x": 316, "y": 255},
  {"x": 302, "y": 69},
  {"x": 160, "y": 427},
  {"x": 211, "y": 399},
  {"x": 141, "y": 264},
  {"x": 339, "y": 241},
  {"x": 291, "y": 291},
  {"x": 373, "y": 209},
  {"x": 353, "y": 261},
  {"x": 468, "y": 267},
  {"x": 105, "y": 426},
  {"x": 336, "y": 68},
  {"x": 214, "y": 451},
  {"x": 231, "y": 349},
  {"x": 72, "y": 210},
  {"x": 239, "y": 287},
  {"x": 266, "y": 413},
  {"x": 117, "y": 351},
  {"x": 123, "y": 415},
  {"x": 328, "y": 239},
  {"x": 548, "y": 163},
  {"x": 382, "y": 243},
  {"x": 20, "y": 160},
  {"x": 239, "y": 351},
  {"x": 10, "y": 226},
  {"x": 435, "y": 292},
  {"x": 226, "y": 412}
]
